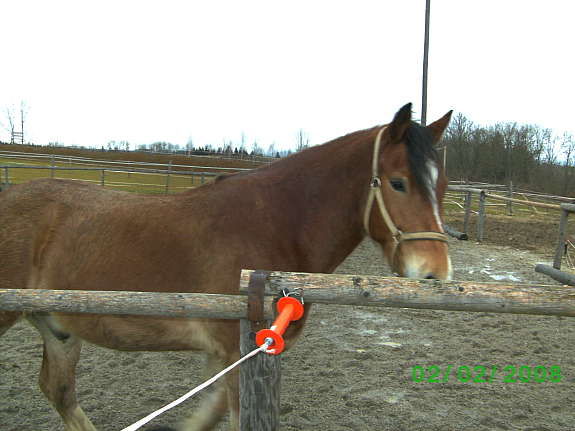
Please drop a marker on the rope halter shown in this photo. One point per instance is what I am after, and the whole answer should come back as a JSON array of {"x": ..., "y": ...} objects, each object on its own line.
[{"x": 375, "y": 194}]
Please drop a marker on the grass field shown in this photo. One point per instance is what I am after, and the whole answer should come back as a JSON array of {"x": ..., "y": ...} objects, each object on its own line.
[{"x": 179, "y": 179}]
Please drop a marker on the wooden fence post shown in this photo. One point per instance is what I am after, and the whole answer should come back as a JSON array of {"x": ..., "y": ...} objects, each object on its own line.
[
  {"x": 481, "y": 216},
  {"x": 259, "y": 375},
  {"x": 510, "y": 195},
  {"x": 6, "y": 177},
  {"x": 203, "y": 178},
  {"x": 259, "y": 385},
  {"x": 561, "y": 240},
  {"x": 168, "y": 177},
  {"x": 468, "y": 196},
  {"x": 103, "y": 177},
  {"x": 52, "y": 166}
]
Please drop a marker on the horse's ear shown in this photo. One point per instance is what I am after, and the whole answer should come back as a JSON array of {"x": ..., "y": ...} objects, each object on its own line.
[
  {"x": 400, "y": 122},
  {"x": 438, "y": 127}
]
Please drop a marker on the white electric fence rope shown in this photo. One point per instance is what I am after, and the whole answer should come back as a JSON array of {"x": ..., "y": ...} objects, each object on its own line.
[{"x": 143, "y": 421}]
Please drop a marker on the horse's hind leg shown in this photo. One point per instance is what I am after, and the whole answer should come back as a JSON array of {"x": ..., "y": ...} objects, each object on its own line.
[
  {"x": 58, "y": 374},
  {"x": 7, "y": 319}
]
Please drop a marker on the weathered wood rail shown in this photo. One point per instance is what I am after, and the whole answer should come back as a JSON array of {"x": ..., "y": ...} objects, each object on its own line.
[
  {"x": 423, "y": 294},
  {"x": 556, "y": 274},
  {"x": 317, "y": 288},
  {"x": 183, "y": 305},
  {"x": 455, "y": 233}
]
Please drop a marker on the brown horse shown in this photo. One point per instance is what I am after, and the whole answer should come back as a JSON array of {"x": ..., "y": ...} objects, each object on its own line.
[{"x": 303, "y": 213}]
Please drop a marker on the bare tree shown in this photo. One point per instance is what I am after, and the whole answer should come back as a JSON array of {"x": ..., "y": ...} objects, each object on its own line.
[
  {"x": 550, "y": 152},
  {"x": 568, "y": 146},
  {"x": 302, "y": 140},
  {"x": 11, "y": 124},
  {"x": 11, "y": 117},
  {"x": 190, "y": 145},
  {"x": 22, "y": 120},
  {"x": 257, "y": 150}
]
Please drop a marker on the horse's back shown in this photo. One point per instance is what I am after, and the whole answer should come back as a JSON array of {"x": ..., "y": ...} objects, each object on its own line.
[
  {"x": 59, "y": 234},
  {"x": 34, "y": 215}
]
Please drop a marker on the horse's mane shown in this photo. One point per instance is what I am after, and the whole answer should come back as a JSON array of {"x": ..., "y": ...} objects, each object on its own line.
[{"x": 420, "y": 150}]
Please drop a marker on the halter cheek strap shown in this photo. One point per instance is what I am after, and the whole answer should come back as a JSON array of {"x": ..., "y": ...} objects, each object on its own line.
[{"x": 376, "y": 194}]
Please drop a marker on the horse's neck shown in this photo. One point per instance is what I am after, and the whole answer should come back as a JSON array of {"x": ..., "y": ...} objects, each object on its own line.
[{"x": 326, "y": 189}]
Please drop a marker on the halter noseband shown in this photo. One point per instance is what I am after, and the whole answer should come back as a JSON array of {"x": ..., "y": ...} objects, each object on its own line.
[{"x": 375, "y": 193}]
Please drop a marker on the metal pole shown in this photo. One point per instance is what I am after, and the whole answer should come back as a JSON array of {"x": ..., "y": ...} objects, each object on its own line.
[{"x": 425, "y": 58}]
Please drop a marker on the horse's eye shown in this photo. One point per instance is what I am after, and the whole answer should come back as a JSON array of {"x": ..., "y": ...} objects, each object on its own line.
[{"x": 398, "y": 185}]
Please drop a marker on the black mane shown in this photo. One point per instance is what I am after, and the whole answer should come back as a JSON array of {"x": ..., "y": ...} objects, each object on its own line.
[{"x": 420, "y": 150}]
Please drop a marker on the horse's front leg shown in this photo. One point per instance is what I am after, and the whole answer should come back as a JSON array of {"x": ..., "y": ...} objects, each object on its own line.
[
  {"x": 232, "y": 384},
  {"x": 58, "y": 374},
  {"x": 221, "y": 342},
  {"x": 214, "y": 406}
]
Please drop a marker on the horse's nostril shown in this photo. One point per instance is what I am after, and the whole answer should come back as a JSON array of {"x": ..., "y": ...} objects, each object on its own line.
[{"x": 431, "y": 277}]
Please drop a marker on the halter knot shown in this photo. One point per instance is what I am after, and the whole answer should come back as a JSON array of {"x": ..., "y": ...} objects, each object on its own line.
[{"x": 375, "y": 182}]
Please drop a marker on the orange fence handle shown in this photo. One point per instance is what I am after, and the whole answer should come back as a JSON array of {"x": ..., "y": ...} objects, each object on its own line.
[{"x": 289, "y": 309}]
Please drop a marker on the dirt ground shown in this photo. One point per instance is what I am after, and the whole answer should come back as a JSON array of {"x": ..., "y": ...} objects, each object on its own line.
[{"x": 352, "y": 369}]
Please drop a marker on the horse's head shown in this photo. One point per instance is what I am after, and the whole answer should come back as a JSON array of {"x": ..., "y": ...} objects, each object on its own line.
[{"x": 404, "y": 206}]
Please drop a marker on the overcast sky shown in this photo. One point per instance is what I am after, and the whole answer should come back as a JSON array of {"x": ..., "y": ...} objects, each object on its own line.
[{"x": 91, "y": 72}]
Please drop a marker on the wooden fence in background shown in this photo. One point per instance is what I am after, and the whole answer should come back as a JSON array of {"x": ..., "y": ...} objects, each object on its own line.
[
  {"x": 565, "y": 209},
  {"x": 165, "y": 186},
  {"x": 483, "y": 195}
]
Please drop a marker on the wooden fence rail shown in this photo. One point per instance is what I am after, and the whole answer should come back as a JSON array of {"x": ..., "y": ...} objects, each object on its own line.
[
  {"x": 189, "y": 305},
  {"x": 111, "y": 169},
  {"x": 423, "y": 294},
  {"x": 523, "y": 202},
  {"x": 165, "y": 186},
  {"x": 85, "y": 160},
  {"x": 317, "y": 288}
]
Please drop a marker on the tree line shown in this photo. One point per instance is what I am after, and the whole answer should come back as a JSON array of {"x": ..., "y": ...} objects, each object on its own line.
[
  {"x": 227, "y": 148},
  {"x": 528, "y": 155}
]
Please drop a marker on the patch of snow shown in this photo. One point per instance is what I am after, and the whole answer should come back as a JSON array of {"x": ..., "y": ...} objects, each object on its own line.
[
  {"x": 390, "y": 344},
  {"x": 508, "y": 277}
]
